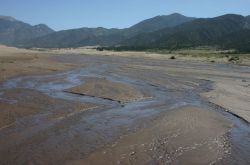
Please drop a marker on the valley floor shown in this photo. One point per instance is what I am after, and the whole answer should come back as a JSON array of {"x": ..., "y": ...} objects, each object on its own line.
[{"x": 81, "y": 106}]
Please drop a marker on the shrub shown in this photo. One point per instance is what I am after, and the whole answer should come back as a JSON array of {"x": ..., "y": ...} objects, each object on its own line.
[
  {"x": 233, "y": 59},
  {"x": 172, "y": 57},
  {"x": 100, "y": 49}
]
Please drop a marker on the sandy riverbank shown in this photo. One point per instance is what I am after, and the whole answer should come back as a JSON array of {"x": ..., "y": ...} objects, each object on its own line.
[
  {"x": 20, "y": 62},
  {"x": 233, "y": 95},
  {"x": 75, "y": 106}
]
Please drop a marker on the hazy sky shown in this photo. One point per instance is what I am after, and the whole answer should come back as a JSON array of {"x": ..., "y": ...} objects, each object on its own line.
[{"x": 66, "y": 14}]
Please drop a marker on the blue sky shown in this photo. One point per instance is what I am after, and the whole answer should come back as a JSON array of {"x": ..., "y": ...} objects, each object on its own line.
[{"x": 67, "y": 14}]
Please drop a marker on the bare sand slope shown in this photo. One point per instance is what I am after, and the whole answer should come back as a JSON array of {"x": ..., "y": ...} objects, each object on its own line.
[{"x": 182, "y": 136}]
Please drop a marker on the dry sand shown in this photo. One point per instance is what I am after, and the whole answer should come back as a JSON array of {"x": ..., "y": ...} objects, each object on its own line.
[
  {"x": 20, "y": 62},
  {"x": 233, "y": 95},
  {"x": 153, "y": 55}
]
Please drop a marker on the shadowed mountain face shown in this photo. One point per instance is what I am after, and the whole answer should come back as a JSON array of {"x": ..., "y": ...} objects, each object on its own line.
[
  {"x": 160, "y": 22},
  {"x": 13, "y": 31},
  {"x": 248, "y": 20},
  {"x": 102, "y": 36},
  {"x": 239, "y": 40},
  {"x": 205, "y": 31}
]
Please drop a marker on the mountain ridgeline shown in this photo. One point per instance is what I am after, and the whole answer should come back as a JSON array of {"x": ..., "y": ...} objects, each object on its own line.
[
  {"x": 13, "y": 31},
  {"x": 157, "y": 23},
  {"x": 102, "y": 36},
  {"x": 200, "y": 32},
  {"x": 170, "y": 32}
]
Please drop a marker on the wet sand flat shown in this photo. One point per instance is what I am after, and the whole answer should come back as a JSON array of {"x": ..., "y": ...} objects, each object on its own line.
[
  {"x": 19, "y": 103},
  {"x": 89, "y": 107},
  {"x": 99, "y": 87},
  {"x": 182, "y": 136}
]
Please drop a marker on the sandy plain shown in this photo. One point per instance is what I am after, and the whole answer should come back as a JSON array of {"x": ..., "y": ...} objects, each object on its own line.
[{"x": 81, "y": 106}]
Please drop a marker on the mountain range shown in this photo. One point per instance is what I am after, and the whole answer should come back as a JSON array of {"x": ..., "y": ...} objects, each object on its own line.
[
  {"x": 216, "y": 31},
  {"x": 173, "y": 31},
  {"x": 102, "y": 36},
  {"x": 13, "y": 31}
]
